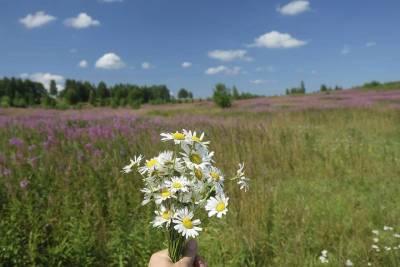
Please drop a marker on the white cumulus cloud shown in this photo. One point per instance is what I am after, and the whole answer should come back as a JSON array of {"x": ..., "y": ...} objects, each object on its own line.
[
  {"x": 83, "y": 63},
  {"x": 294, "y": 8},
  {"x": 186, "y": 64},
  {"x": 275, "y": 39},
  {"x": 147, "y": 66},
  {"x": 258, "y": 82},
  {"x": 45, "y": 78},
  {"x": 229, "y": 55},
  {"x": 223, "y": 70},
  {"x": 81, "y": 21},
  {"x": 36, "y": 20},
  {"x": 109, "y": 61}
]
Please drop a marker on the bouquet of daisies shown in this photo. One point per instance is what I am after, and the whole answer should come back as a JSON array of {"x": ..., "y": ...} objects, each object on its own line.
[{"x": 182, "y": 183}]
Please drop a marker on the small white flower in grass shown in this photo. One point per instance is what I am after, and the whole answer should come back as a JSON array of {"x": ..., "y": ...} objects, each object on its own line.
[
  {"x": 375, "y": 232},
  {"x": 217, "y": 206},
  {"x": 133, "y": 162},
  {"x": 349, "y": 263},
  {"x": 243, "y": 180},
  {"x": 376, "y": 248},
  {"x": 376, "y": 240},
  {"x": 177, "y": 137},
  {"x": 369, "y": 264},
  {"x": 387, "y": 248},
  {"x": 185, "y": 224},
  {"x": 396, "y": 235},
  {"x": 163, "y": 216},
  {"x": 177, "y": 184},
  {"x": 324, "y": 256},
  {"x": 387, "y": 228},
  {"x": 191, "y": 137}
]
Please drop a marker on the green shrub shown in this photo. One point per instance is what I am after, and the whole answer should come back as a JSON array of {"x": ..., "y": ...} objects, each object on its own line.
[{"x": 222, "y": 96}]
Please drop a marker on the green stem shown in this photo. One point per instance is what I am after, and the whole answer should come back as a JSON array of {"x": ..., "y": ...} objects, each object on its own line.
[{"x": 175, "y": 244}]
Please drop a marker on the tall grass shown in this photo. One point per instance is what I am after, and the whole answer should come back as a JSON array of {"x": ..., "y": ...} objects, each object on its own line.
[{"x": 321, "y": 179}]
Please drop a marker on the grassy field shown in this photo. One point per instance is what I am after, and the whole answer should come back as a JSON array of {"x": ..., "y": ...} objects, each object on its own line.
[{"x": 321, "y": 179}]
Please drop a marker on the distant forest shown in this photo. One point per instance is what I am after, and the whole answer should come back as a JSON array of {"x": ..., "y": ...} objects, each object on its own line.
[{"x": 17, "y": 92}]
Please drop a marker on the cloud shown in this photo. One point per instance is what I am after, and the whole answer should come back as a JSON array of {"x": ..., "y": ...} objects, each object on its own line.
[
  {"x": 186, "y": 64},
  {"x": 223, "y": 70},
  {"x": 82, "y": 21},
  {"x": 294, "y": 8},
  {"x": 110, "y": 61},
  {"x": 276, "y": 39},
  {"x": 370, "y": 44},
  {"x": 83, "y": 64},
  {"x": 45, "y": 79},
  {"x": 229, "y": 55},
  {"x": 36, "y": 20},
  {"x": 147, "y": 66},
  {"x": 267, "y": 69},
  {"x": 258, "y": 82},
  {"x": 345, "y": 50}
]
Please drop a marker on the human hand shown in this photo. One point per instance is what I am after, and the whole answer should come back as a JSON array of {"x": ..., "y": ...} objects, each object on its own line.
[{"x": 189, "y": 259}]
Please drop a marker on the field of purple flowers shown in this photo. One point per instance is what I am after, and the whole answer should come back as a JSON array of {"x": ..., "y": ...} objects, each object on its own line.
[{"x": 325, "y": 171}]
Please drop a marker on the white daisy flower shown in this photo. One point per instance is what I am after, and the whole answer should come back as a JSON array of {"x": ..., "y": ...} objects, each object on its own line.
[
  {"x": 324, "y": 256},
  {"x": 375, "y": 239},
  {"x": 163, "y": 195},
  {"x": 185, "y": 224},
  {"x": 375, "y": 232},
  {"x": 217, "y": 206},
  {"x": 396, "y": 235},
  {"x": 177, "y": 184},
  {"x": 198, "y": 173},
  {"x": 177, "y": 137},
  {"x": 375, "y": 247},
  {"x": 199, "y": 157},
  {"x": 191, "y": 137},
  {"x": 149, "y": 167},
  {"x": 133, "y": 162},
  {"x": 215, "y": 176},
  {"x": 167, "y": 163},
  {"x": 243, "y": 181},
  {"x": 163, "y": 216}
]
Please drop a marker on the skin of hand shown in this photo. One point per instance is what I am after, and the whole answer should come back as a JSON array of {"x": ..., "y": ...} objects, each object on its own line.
[{"x": 189, "y": 259}]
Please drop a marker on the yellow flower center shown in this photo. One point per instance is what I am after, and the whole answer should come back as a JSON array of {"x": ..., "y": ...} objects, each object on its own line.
[
  {"x": 187, "y": 223},
  {"x": 178, "y": 136},
  {"x": 165, "y": 194},
  {"x": 220, "y": 206},
  {"x": 166, "y": 215},
  {"x": 195, "y": 158},
  {"x": 151, "y": 163},
  {"x": 198, "y": 174},
  {"x": 215, "y": 176},
  {"x": 177, "y": 185},
  {"x": 196, "y": 139}
]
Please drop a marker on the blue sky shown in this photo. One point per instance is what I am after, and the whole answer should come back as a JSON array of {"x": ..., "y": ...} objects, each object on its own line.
[{"x": 260, "y": 46}]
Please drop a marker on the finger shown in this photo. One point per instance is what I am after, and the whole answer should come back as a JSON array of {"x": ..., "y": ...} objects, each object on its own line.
[
  {"x": 189, "y": 255},
  {"x": 199, "y": 262},
  {"x": 160, "y": 258}
]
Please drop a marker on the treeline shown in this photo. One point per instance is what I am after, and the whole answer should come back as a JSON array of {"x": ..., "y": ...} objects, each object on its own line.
[
  {"x": 374, "y": 85},
  {"x": 301, "y": 90},
  {"x": 223, "y": 95},
  {"x": 76, "y": 92},
  {"x": 21, "y": 93},
  {"x": 325, "y": 88},
  {"x": 15, "y": 92}
]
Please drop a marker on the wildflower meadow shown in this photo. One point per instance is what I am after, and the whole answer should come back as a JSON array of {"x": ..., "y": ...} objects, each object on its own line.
[{"x": 323, "y": 190}]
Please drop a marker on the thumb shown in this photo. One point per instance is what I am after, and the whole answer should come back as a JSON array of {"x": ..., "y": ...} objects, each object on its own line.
[{"x": 189, "y": 255}]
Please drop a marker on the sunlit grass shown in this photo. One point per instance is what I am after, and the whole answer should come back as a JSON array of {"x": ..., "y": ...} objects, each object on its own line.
[{"x": 322, "y": 179}]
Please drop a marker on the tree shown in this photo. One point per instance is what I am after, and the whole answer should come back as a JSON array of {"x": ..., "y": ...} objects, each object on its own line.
[
  {"x": 102, "y": 93},
  {"x": 222, "y": 96},
  {"x": 235, "y": 93},
  {"x": 53, "y": 88},
  {"x": 323, "y": 88},
  {"x": 302, "y": 88},
  {"x": 183, "y": 93}
]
